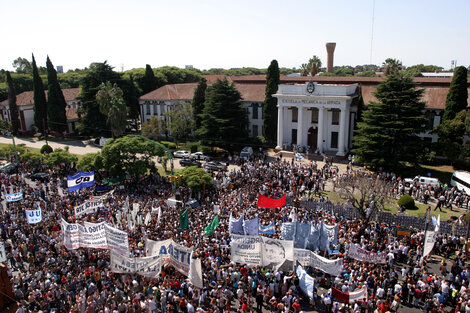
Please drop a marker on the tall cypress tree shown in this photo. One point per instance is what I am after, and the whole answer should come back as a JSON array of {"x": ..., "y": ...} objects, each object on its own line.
[
  {"x": 458, "y": 93},
  {"x": 388, "y": 133},
  {"x": 149, "y": 82},
  {"x": 40, "y": 104},
  {"x": 198, "y": 101},
  {"x": 270, "y": 102},
  {"x": 56, "y": 104},
  {"x": 15, "y": 122}
]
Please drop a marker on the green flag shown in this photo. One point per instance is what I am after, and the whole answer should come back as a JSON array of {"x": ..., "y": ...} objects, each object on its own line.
[
  {"x": 209, "y": 230},
  {"x": 184, "y": 220}
]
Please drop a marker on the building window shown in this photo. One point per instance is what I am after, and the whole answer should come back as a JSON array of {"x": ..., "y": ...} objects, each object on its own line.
[
  {"x": 334, "y": 140},
  {"x": 430, "y": 119},
  {"x": 335, "y": 117},
  {"x": 314, "y": 115},
  {"x": 255, "y": 130},
  {"x": 295, "y": 115},
  {"x": 148, "y": 109},
  {"x": 255, "y": 111},
  {"x": 294, "y": 136}
]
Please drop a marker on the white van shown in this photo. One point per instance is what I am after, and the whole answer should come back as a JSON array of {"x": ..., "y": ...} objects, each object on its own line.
[
  {"x": 422, "y": 181},
  {"x": 246, "y": 153},
  {"x": 461, "y": 180}
]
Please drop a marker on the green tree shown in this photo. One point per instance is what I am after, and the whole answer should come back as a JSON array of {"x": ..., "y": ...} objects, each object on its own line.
[
  {"x": 154, "y": 128},
  {"x": 456, "y": 100},
  {"x": 149, "y": 81},
  {"x": 15, "y": 121},
  {"x": 193, "y": 181},
  {"x": 270, "y": 102},
  {"x": 60, "y": 156},
  {"x": 32, "y": 158},
  {"x": 109, "y": 98},
  {"x": 22, "y": 66},
  {"x": 133, "y": 103},
  {"x": 93, "y": 121},
  {"x": 40, "y": 104},
  {"x": 198, "y": 101},
  {"x": 223, "y": 116},
  {"x": 391, "y": 66},
  {"x": 129, "y": 155},
  {"x": 56, "y": 104},
  {"x": 389, "y": 131},
  {"x": 181, "y": 122},
  {"x": 311, "y": 68},
  {"x": 89, "y": 162}
]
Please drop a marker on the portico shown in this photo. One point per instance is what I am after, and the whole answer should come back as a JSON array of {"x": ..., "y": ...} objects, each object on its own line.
[{"x": 315, "y": 116}]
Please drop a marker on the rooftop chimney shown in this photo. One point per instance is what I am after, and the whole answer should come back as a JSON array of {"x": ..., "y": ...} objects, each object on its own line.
[{"x": 330, "y": 48}]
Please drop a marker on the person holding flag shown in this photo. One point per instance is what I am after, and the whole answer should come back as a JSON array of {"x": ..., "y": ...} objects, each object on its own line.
[{"x": 209, "y": 229}]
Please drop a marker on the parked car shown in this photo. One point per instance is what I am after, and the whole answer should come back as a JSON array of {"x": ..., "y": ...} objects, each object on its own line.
[
  {"x": 246, "y": 153},
  {"x": 42, "y": 177},
  {"x": 422, "y": 181},
  {"x": 190, "y": 162},
  {"x": 181, "y": 154},
  {"x": 215, "y": 166},
  {"x": 199, "y": 156}
]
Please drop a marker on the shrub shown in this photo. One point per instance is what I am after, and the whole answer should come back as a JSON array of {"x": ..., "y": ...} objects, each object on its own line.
[
  {"x": 192, "y": 146},
  {"x": 407, "y": 201},
  {"x": 170, "y": 145},
  {"x": 46, "y": 149}
]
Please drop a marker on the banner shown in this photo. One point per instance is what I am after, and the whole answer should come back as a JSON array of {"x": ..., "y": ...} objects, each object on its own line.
[
  {"x": 117, "y": 239},
  {"x": 34, "y": 216},
  {"x": 332, "y": 267},
  {"x": 271, "y": 203},
  {"x": 429, "y": 241},
  {"x": 267, "y": 230},
  {"x": 313, "y": 240},
  {"x": 80, "y": 180},
  {"x": 302, "y": 256},
  {"x": 70, "y": 235},
  {"x": 302, "y": 230},
  {"x": 12, "y": 197},
  {"x": 250, "y": 227},
  {"x": 235, "y": 226},
  {"x": 171, "y": 253},
  {"x": 195, "y": 273},
  {"x": 329, "y": 235},
  {"x": 349, "y": 297},
  {"x": 3, "y": 255},
  {"x": 93, "y": 235},
  {"x": 89, "y": 206},
  {"x": 357, "y": 253},
  {"x": 306, "y": 282},
  {"x": 277, "y": 253},
  {"x": 246, "y": 249},
  {"x": 146, "y": 266},
  {"x": 288, "y": 231}
]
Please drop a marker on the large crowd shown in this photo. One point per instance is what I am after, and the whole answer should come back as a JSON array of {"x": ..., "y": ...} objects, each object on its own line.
[{"x": 47, "y": 277}]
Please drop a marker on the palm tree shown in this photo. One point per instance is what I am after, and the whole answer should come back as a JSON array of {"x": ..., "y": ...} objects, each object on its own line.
[
  {"x": 311, "y": 68},
  {"x": 111, "y": 102},
  {"x": 392, "y": 66}
]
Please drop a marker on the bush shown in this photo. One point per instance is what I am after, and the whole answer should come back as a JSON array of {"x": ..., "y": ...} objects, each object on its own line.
[
  {"x": 192, "y": 146},
  {"x": 170, "y": 145},
  {"x": 46, "y": 149},
  {"x": 408, "y": 202}
]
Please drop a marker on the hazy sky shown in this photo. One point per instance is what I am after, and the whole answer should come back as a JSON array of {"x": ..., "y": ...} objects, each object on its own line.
[{"x": 227, "y": 34}]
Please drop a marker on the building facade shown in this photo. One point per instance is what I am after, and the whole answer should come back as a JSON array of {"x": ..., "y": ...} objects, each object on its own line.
[{"x": 315, "y": 117}]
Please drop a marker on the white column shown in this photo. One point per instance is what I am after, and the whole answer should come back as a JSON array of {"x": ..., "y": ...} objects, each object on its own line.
[
  {"x": 321, "y": 117},
  {"x": 280, "y": 125},
  {"x": 159, "y": 106},
  {"x": 342, "y": 132},
  {"x": 152, "y": 110},
  {"x": 300, "y": 126}
]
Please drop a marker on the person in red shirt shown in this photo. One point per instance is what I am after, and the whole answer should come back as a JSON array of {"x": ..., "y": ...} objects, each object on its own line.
[{"x": 296, "y": 305}]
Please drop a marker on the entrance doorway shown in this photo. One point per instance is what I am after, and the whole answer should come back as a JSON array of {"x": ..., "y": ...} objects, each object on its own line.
[{"x": 312, "y": 138}]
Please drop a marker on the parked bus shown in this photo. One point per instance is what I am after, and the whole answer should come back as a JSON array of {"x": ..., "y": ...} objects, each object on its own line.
[{"x": 461, "y": 180}]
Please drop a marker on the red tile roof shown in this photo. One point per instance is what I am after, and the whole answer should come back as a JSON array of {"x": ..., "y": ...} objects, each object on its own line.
[{"x": 27, "y": 97}]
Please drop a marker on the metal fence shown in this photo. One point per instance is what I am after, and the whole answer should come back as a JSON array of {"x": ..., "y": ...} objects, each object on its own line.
[{"x": 382, "y": 217}]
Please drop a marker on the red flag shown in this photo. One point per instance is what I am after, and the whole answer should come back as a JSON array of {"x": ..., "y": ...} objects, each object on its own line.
[
  {"x": 270, "y": 203},
  {"x": 349, "y": 297}
]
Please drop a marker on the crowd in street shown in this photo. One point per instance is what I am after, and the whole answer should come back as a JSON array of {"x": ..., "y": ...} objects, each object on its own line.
[{"x": 47, "y": 277}]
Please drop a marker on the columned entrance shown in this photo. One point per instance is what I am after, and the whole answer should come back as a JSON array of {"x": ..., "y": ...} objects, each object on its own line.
[{"x": 312, "y": 138}]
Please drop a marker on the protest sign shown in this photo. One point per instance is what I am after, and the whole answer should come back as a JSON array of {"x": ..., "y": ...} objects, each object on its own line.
[
  {"x": 302, "y": 256},
  {"x": 93, "y": 235},
  {"x": 246, "y": 249},
  {"x": 12, "y": 197},
  {"x": 70, "y": 235},
  {"x": 332, "y": 267},
  {"x": 117, "y": 240},
  {"x": 34, "y": 216},
  {"x": 357, "y": 253},
  {"x": 306, "y": 282},
  {"x": 276, "y": 252},
  {"x": 88, "y": 206},
  {"x": 171, "y": 253},
  {"x": 146, "y": 266}
]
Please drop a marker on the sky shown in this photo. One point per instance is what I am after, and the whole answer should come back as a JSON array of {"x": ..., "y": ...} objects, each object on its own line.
[{"x": 232, "y": 34}]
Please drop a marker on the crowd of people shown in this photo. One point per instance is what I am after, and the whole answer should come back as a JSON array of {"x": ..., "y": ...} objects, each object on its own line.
[{"x": 47, "y": 277}]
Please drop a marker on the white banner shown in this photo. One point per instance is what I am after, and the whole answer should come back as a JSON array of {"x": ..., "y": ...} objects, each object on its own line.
[
  {"x": 171, "y": 253},
  {"x": 12, "y": 197},
  {"x": 277, "y": 252},
  {"x": 306, "y": 282},
  {"x": 246, "y": 249},
  {"x": 195, "y": 273},
  {"x": 429, "y": 241},
  {"x": 70, "y": 235},
  {"x": 357, "y": 295},
  {"x": 357, "y": 253},
  {"x": 117, "y": 239},
  {"x": 332, "y": 267},
  {"x": 93, "y": 235},
  {"x": 88, "y": 207},
  {"x": 147, "y": 266},
  {"x": 303, "y": 256},
  {"x": 34, "y": 216},
  {"x": 3, "y": 255}
]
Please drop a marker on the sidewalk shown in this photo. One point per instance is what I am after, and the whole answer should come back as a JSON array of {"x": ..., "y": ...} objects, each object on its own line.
[{"x": 75, "y": 147}]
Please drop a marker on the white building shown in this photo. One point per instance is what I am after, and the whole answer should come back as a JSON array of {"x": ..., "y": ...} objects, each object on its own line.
[{"x": 316, "y": 117}]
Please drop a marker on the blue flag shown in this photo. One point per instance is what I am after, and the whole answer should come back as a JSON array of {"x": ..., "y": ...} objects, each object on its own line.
[
  {"x": 250, "y": 227},
  {"x": 236, "y": 225},
  {"x": 267, "y": 230}
]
